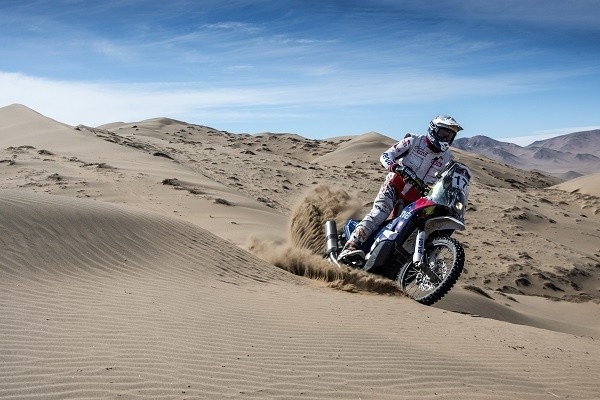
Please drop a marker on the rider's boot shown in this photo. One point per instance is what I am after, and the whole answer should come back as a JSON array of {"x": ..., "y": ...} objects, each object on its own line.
[{"x": 351, "y": 254}]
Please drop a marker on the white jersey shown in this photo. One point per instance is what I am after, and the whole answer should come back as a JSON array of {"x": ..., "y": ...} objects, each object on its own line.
[{"x": 414, "y": 153}]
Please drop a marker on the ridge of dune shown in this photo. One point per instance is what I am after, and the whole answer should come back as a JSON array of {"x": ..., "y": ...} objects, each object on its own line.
[
  {"x": 55, "y": 236},
  {"x": 575, "y": 319},
  {"x": 22, "y": 126},
  {"x": 19, "y": 123},
  {"x": 366, "y": 147},
  {"x": 39, "y": 154},
  {"x": 586, "y": 184},
  {"x": 19, "y": 112}
]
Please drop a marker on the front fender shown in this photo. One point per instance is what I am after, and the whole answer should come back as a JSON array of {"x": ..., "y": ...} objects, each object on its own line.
[{"x": 443, "y": 223}]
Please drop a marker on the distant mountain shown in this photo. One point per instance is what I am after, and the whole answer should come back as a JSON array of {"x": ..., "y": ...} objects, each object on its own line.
[
  {"x": 577, "y": 142},
  {"x": 565, "y": 156}
]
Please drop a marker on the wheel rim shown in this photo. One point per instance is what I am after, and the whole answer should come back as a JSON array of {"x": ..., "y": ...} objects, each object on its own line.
[{"x": 420, "y": 282}]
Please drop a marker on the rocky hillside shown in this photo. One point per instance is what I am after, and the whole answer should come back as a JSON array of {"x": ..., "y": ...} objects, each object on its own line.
[{"x": 566, "y": 156}]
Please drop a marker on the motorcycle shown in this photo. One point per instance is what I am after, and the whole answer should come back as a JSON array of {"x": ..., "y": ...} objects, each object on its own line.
[{"x": 416, "y": 248}]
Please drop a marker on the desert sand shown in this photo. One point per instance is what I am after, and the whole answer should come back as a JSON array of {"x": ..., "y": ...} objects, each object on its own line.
[{"x": 157, "y": 259}]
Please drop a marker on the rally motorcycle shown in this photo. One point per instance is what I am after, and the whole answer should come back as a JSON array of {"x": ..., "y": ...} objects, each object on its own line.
[{"x": 416, "y": 248}]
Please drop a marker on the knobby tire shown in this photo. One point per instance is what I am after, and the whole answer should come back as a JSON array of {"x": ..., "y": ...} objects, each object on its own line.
[{"x": 450, "y": 278}]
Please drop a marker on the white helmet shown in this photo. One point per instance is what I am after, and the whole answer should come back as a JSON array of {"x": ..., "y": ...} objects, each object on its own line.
[{"x": 442, "y": 131}]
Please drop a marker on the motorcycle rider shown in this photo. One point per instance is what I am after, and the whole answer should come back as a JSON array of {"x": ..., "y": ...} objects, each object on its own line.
[{"x": 413, "y": 158}]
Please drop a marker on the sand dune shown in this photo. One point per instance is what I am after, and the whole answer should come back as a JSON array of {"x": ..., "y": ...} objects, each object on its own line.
[
  {"x": 587, "y": 184},
  {"x": 125, "y": 272},
  {"x": 352, "y": 150},
  {"x": 100, "y": 301}
]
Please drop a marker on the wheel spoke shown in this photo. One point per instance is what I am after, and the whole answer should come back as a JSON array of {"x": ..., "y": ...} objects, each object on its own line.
[{"x": 439, "y": 260}]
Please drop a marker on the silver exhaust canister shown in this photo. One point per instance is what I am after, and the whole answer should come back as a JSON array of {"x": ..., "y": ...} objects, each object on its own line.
[{"x": 331, "y": 237}]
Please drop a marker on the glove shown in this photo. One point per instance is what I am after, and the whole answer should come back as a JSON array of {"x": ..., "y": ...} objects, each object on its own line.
[
  {"x": 397, "y": 168},
  {"x": 424, "y": 190},
  {"x": 405, "y": 172},
  {"x": 410, "y": 175}
]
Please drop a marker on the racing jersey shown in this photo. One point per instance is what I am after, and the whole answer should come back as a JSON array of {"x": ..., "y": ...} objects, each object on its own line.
[{"x": 413, "y": 152}]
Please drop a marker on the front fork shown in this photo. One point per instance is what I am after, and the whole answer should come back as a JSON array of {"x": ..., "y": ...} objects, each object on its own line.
[
  {"x": 419, "y": 253},
  {"x": 419, "y": 244}
]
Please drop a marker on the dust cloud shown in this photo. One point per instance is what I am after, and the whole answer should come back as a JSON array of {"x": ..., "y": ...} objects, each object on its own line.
[
  {"x": 309, "y": 216},
  {"x": 303, "y": 254}
]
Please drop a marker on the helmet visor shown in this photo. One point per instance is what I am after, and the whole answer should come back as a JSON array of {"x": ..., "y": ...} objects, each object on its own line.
[{"x": 445, "y": 134}]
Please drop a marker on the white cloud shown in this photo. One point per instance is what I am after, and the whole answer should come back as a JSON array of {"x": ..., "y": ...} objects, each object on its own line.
[
  {"x": 100, "y": 102},
  {"x": 235, "y": 26},
  {"x": 112, "y": 50},
  {"x": 239, "y": 68},
  {"x": 564, "y": 131}
]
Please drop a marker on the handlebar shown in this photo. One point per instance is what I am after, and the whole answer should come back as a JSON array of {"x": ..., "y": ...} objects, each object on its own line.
[{"x": 409, "y": 175}]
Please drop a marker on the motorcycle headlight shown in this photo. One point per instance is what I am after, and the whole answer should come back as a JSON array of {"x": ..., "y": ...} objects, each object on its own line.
[{"x": 459, "y": 206}]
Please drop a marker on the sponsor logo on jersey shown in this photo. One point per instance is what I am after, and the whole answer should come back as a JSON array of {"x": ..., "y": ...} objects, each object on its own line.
[
  {"x": 389, "y": 192},
  {"x": 422, "y": 151},
  {"x": 387, "y": 158},
  {"x": 437, "y": 162}
]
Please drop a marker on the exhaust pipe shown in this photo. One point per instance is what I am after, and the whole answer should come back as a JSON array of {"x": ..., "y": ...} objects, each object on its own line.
[{"x": 331, "y": 238}]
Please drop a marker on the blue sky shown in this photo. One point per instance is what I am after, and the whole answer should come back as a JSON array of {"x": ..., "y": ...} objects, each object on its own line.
[{"x": 505, "y": 69}]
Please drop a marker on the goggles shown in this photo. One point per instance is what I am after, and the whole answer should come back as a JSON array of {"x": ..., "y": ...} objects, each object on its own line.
[{"x": 445, "y": 134}]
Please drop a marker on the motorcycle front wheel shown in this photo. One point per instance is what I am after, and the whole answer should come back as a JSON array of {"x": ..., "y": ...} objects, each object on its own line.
[{"x": 443, "y": 262}]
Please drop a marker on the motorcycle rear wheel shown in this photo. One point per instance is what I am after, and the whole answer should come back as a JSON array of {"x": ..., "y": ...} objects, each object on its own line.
[{"x": 443, "y": 262}]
